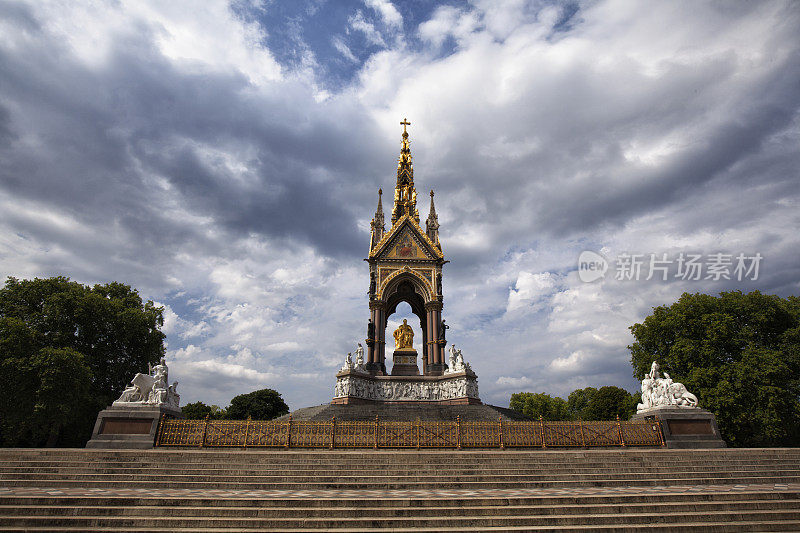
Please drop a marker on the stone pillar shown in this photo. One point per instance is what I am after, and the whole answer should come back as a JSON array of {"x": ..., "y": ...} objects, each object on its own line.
[
  {"x": 435, "y": 365},
  {"x": 382, "y": 341},
  {"x": 427, "y": 353},
  {"x": 437, "y": 351},
  {"x": 374, "y": 345}
]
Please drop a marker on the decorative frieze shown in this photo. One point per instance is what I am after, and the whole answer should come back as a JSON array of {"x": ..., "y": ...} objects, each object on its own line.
[{"x": 365, "y": 387}]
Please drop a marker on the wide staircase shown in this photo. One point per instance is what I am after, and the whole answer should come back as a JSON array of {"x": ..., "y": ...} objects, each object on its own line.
[{"x": 179, "y": 490}]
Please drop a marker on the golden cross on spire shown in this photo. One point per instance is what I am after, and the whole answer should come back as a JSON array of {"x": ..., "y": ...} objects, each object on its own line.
[{"x": 404, "y": 124}]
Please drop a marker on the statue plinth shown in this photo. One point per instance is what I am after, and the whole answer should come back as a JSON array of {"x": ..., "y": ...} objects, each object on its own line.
[
  {"x": 129, "y": 426},
  {"x": 132, "y": 420},
  {"x": 669, "y": 404},
  {"x": 404, "y": 362},
  {"x": 684, "y": 427}
]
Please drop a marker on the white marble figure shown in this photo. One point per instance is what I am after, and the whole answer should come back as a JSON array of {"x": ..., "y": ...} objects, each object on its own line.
[
  {"x": 151, "y": 389},
  {"x": 348, "y": 363},
  {"x": 451, "y": 363},
  {"x": 663, "y": 392},
  {"x": 360, "y": 358},
  {"x": 456, "y": 361}
]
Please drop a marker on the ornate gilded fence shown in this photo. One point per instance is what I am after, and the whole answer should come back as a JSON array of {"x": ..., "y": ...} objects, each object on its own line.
[{"x": 400, "y": 434}]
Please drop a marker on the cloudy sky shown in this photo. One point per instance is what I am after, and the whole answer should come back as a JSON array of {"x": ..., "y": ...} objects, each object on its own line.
[{"x": 224, "y": 159}]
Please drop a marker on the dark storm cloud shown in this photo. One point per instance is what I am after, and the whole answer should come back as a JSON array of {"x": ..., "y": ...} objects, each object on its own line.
[
  {"x": 6, "y": 135},
  {"x": 19, "y": 14},
  {"x": 720, "y": 109},
  {"x": 106, "y": 131}
]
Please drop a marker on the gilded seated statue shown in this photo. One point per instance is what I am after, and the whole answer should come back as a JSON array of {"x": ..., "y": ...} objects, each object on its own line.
[{"x": 404, "y": 337}]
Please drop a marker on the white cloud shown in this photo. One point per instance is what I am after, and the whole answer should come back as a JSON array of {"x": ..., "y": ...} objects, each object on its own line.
[
  {"x": 360, "y": 24},
  {"x": 389, "y": 14},
  {"x": 448, "y": 21},
  {"x": 529, "y": 288},
  {"x": 509, "y": 382},
  {"x": 343, "y": 49}
]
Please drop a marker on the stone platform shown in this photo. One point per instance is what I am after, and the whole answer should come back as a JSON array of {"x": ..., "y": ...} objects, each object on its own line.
[
  {"x": 405, "y": 412},
  {"x": 729, "y": 490}
]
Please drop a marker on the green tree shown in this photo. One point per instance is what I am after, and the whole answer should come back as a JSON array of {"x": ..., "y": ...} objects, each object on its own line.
[
  {"x": 608, "y": 403},
  {"x": 540, "y": 404},
  {"x": 578, "y": 400},
  {"x": 738, "y": 353},
  {"x": 199, "y": 410},
  {"x": 264, "y": 404},
  {"x": 67, "y": 351},
  {"x": 196, "y": 410}
]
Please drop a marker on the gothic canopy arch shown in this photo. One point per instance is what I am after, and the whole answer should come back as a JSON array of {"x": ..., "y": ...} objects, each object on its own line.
[
  {"x": 406, "y": 282},
  {"x": 405, "y": 265}
]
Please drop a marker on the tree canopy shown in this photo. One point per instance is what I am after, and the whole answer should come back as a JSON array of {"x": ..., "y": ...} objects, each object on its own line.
[
  {"x": 199, "y": 410},
  {"x": 738, "y": 353},
  {"x": 587, "y": 404},
  {"x": 537, "y": 405},
  {"x": 608, "y": 403},
  {"x": 264, "y": 404},
  {"x": 66, "y": 351}
]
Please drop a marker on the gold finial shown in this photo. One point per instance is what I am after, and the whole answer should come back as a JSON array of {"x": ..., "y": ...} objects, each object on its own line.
[
  {"x": 431, "y": 193},
  {"x": 404, "y": 124},
  {"x": 380, "y": 192}
]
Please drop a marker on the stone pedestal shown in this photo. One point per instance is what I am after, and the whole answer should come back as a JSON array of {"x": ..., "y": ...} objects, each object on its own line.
[
  {"x": 685, "y": 427},
  {"x": 126, "y": 427},
  {"x": 378, "y": 369},
  {"x": 435, "y": 369},
  {"x": 404, "y": 362}
]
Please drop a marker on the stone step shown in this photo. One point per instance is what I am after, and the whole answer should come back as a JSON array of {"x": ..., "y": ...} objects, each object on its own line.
[
  {"x": 464, "y": 467},
  {"x": 677, "y": 527},
  {"x": 151, "y": 472},
  {"x": 376, "y": 460},
  {"x": 432, "y": 451},
  {"x": 369, "y": 461},
  {"x": 225, "y": 471},
  {"x": 391, "y": 477},
  {"x": 665, "y": 480},
  {"x": 556, "y": 454},
  {"x": 440, "y": 522},
  {"x": 586, "y": 490},
  {"x": 547, "y": 501},
  {"x": 465, "y": 507}
]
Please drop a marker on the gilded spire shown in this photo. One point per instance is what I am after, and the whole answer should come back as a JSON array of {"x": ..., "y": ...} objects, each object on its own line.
[
  {"x": 377, "y": 223},
  {"x": 432, "y": 224},
  {"x": 405, "y": 195}
]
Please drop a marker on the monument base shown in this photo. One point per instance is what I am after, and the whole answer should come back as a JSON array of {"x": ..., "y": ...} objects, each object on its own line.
[
  {"x": 404, "y": 362},
  {"x": 124, "y": 427},
  {"x": 378, "y": 369},
  {"x": 685, "y": 427},
  {"x": 435, "y": 369},
  {"x": 457, "y": 388}
]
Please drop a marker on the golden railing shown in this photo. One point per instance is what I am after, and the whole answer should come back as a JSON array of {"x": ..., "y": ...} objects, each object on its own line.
[{"x": 403, "y": 434}]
